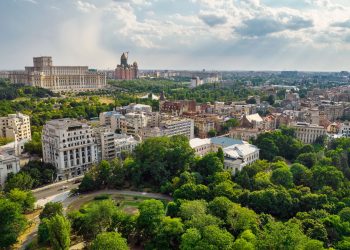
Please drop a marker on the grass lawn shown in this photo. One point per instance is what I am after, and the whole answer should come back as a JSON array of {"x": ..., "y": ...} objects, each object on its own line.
[{"x": 128, "y": 203}]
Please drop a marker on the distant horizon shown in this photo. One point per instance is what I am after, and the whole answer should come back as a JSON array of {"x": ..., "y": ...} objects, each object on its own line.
[{"x": 224, "y": 35}]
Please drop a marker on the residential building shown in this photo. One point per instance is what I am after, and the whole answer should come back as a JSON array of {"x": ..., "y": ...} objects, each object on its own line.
[
  {"x": 252, "y": 121},
  {"x": 59, "y": 78},
  {"x": 70, "y": 146},
  {"x": 344, "y": 129},
  {"x": 177, "y": 107},
  {"x": 245, "y": 134},
  {"x": 308, "y": 133},
  {"x": 8, "y": 164},
  {"x": 171, "y": 126},
  {"x": 125, "y": 71},
  {"x": 195, "y": 82},
  {"x": 237, "y": 153},
  {"x": 16, "y": 127},
  {"x": 112, "y": 145}
]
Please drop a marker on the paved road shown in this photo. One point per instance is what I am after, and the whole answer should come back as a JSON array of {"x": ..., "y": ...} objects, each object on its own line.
[{"x": 55, "y": 189}]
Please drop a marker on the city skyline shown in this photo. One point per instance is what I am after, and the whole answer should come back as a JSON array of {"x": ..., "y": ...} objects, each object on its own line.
[{"x": 305, "y": 35}]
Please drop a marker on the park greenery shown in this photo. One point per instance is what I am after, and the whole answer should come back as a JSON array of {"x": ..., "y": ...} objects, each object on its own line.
[
  {"x": 299, "y": 200},
  {"x": 288, "y": 200}
]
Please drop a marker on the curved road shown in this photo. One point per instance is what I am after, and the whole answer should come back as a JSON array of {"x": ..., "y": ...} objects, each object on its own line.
[{"x": 56, "y": 192}]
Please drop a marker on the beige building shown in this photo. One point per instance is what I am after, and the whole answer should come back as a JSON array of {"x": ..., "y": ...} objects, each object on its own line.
[
  {"x": 308, "y": 133},
  {"x": 59, "y": 78},
  {"x": 15, "y": 126},
  {"x": 70, "y": 146}
]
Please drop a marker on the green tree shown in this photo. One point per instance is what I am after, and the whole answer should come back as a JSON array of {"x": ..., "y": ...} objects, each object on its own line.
[
  {"x": 209, "y": 165},
  {"x": 51, "y": 209},
  {"x": 169, "y": 234},
  {"x": 212, "y": 133},
  {"x": 282, "y": 176},
  {"x": 307, "y": 159},
  {"x": 24, "y": 198},
  {"x": 88, "y": 183},
  {"x": 215, "y": 238},
  {"x": 281, "y": 236},
  {"x": 301, "y": 174},
  {"x": 43, "y": 231},
  {"x": 12, "y": 222},
  {"x": 109, "y": 240},
  {"x": 190, "y": 239},
  {"x": 59, "y": 232},
  {"x": 151, "y": 215},
  {"x": 220, "y": 155},
  {"x": 188, "y": 209},
  {"x": 21, "y": 180}
]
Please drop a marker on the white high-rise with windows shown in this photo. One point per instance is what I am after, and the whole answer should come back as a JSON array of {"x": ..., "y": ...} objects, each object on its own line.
[
  {"x": 70, "y": 146},
  {"x": 16, "y": 127}
]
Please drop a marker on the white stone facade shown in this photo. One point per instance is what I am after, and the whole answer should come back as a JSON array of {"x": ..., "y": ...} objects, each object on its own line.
[
  {"x": 344, "y": 129},
  {"x": 308, "y": 133},
  {"x": 70, "y": 146},
  {"x": 59, "y": 78},
  {"x": 8, "y": 164},
  {"x": 237, "y": 153}
]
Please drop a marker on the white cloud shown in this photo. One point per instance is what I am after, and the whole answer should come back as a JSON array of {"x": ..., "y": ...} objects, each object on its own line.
[{"x": 85, "y": 6}]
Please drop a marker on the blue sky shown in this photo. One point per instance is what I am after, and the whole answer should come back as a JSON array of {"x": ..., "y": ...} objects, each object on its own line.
[{"x": 178, "y": 34}]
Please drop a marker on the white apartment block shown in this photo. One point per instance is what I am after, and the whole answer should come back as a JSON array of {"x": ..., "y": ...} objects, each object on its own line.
[
  {"x": 8, "y": 164},
  {"x": 59, "y": 78},
  {"x": 70, "y": 146},
  {"x": 308, "y": 133},
  {"x": 344, "y": 129},
  {"x": 171, "y": 126},
  {"x": 16, "y": 127},
  {"x": 237, "y": 153}
]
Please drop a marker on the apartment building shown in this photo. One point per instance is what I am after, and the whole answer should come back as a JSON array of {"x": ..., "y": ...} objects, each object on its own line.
[
  {"x": 16, "y": 127},
  {"x": 59, "y": 78},
  {"x": 171, "y": 126},
  {"x": 70, "y": 146},
  {"x": 113, "y": 145},
  {"x": 308, "y": 133},
  {"x": 344, "y": 129},
  {"x": 237, "y": 153},
  {"x": 8, "y": 164}
]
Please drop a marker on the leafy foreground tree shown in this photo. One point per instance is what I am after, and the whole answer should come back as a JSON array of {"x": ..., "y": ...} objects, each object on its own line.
[
  {"x": 12, "y": 222},
  {"x": 59, "y": 232},
  {"x": 110, "y": 241},
  {"x": 20, "y": 180},
  {"x": 24, "y": 198},
  {"x": 50, "y": 210},
  {"x": 285, "y": 236}
]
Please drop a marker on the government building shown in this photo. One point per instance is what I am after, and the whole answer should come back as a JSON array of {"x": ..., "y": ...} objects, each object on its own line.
[
  {"x": 125, "y": 71},
  {"x": 59, "y": 78}
]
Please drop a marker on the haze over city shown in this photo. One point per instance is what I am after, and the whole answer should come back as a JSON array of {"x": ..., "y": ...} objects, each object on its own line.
[{"x": 311, "y": 35}]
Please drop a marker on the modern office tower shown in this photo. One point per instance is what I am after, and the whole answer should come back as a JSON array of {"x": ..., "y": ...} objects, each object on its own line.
[
  {"x": 59, "y": 78},
  {"x": 70, "y": 146}
]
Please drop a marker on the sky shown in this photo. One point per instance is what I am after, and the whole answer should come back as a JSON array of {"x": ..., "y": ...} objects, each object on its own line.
[{"x": 310, "y": 35}]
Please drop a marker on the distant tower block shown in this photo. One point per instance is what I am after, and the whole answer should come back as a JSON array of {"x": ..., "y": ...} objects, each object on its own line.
[{"x": 125, "y": 71}]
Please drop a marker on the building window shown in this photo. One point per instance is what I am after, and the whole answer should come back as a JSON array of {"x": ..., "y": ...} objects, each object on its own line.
[{"x": 9, "y": 166}]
